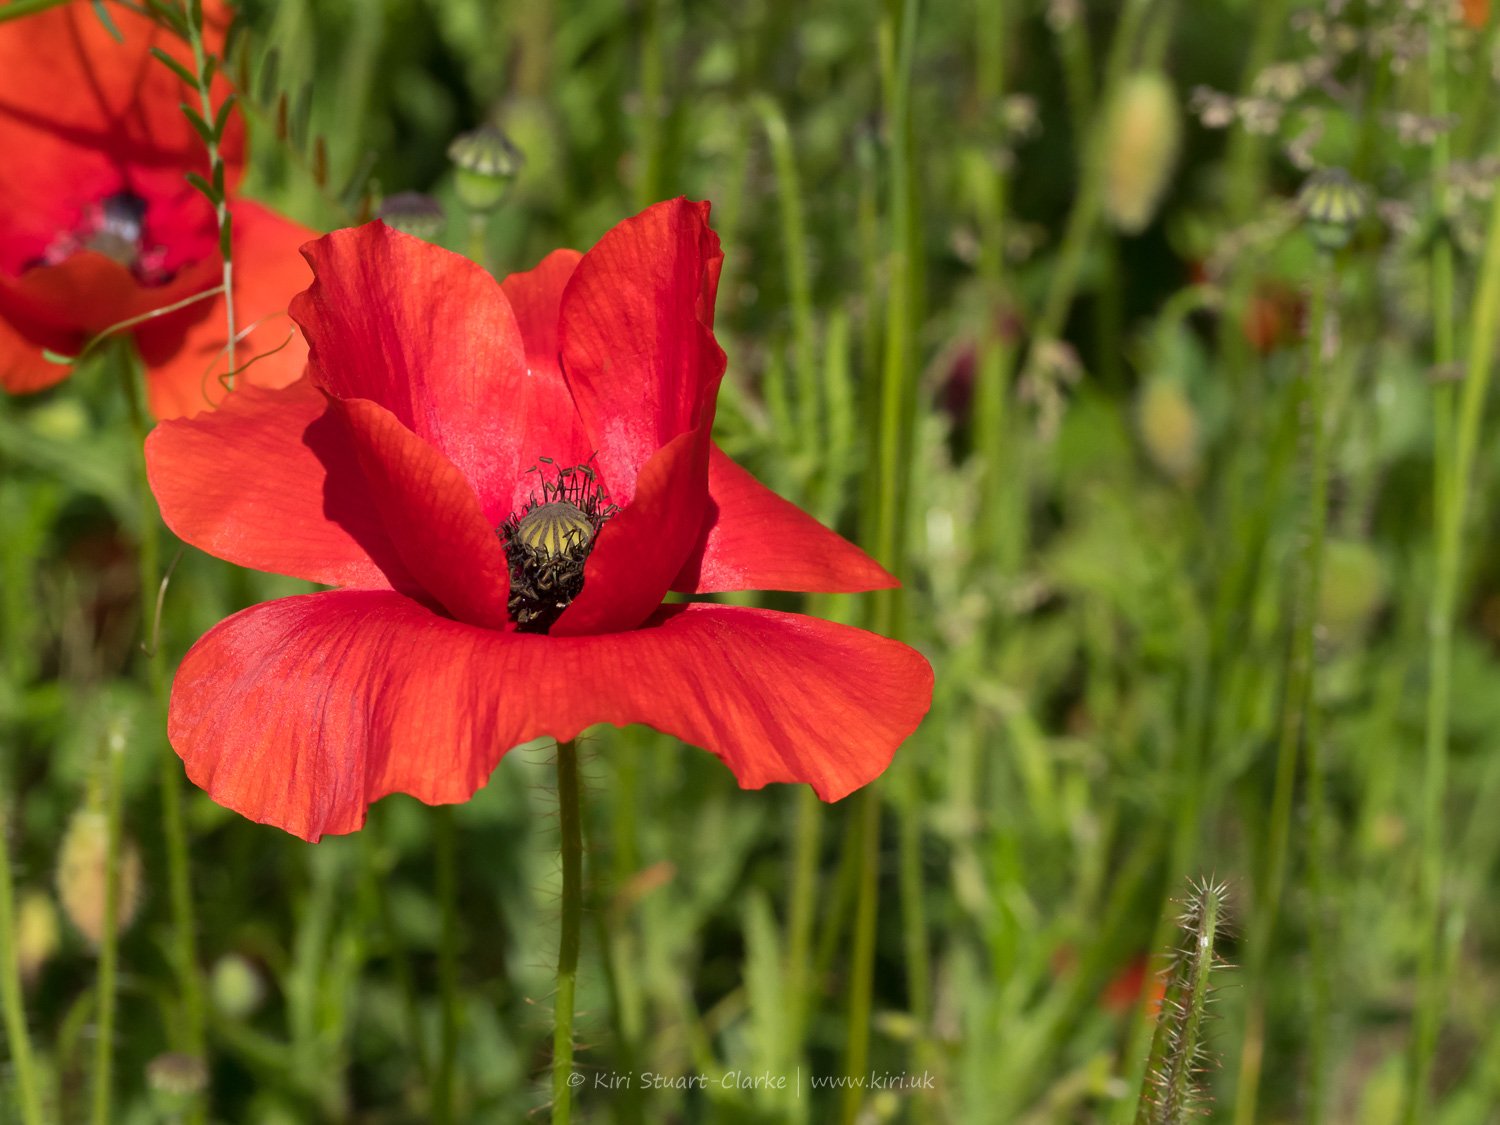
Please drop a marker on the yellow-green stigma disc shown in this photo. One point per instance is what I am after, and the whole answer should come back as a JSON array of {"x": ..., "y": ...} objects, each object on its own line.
[{"x": 556, "y": 530}]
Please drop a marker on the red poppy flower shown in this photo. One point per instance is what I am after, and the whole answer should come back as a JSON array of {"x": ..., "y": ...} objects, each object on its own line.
[
  {"x": 99, "y": 225},
  {"x": 507, "y": 479}
]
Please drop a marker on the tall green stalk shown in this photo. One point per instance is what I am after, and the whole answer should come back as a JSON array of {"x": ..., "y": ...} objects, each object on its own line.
[
  {"x": 570, "y": 824},
  {"x": 445, "y": 848},
  {"x": 22, "y": 1061},
  {"x": 183, "y": 945},
  {"x": 1456, "y": 424},
  {"x": 897, "y": 42},
  {"x": 104, "y": 989},
  {"x": 1298, "y": 696}
]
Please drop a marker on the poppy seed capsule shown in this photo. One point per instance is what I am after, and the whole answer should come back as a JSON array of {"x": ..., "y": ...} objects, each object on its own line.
[
  {"x": 413, "y": 213},
  {"x": 556, "y": 529},
  {"x": 549, "y": 542},
  {"x": 486, "y": 164},
  {"x": 1333, "y": 203}
]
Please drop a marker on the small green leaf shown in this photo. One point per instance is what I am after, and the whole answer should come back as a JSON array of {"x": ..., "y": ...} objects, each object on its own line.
[
  {"x": 175, "y": 67},
  {"x": 205, "y": 188},
  {"x": 200, "y": 126},
  {"x": 57, "y": 357},
  {"x": 226, "y": 237},
  {"x": 222, "y": 119},
  {"x": 109, "y": 24}
]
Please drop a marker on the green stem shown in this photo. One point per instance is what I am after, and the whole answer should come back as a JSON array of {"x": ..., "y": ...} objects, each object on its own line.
[
  {"x": 22, "y": 1061},
  {"x": 183, "y": 943},
  {"x": 1453, "y": 454},
  {"x": 216, "y": 179},
  {"x": 1298, "y": 698},
  {"x": 862, "y": 957},
  {"x": 570, "y": 823},
  {"x": 445, "y": 858},
  {"x": 104, "y": 1044},
  {"x": 804, "y": 888}
]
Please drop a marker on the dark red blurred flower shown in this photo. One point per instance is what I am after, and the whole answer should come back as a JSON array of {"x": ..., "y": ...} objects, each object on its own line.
[
  {"x": 98, "y": 223},
  {"x": 433, "y": 393}
]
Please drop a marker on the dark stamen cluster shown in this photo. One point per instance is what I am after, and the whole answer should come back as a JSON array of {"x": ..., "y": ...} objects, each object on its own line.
[{"x": 548, "y": 542}]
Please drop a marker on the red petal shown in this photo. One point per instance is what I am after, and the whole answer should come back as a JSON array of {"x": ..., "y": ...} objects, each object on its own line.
[
  {"x": 432, "y": 516},
  {"x": 430, "y": 336},
  {"x": 758, "y": 541},
  {"x": 269, "y": 481},
  {"x": 301, "y": 712},
  {"x": 22, "y": 368},
  {"x": 88, "y": 293},
  {"x": 83, "y": 116},
  {"x": 184, "y": 351},
  {"x": 638, "y": 347}
]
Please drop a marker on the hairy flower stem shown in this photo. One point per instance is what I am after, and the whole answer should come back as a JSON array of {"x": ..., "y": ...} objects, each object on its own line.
[
  {"x": 445, "y": 848},
  {"x": 104, "y": 989},
  {"x": 570, "y": 825},
  {"x": 183, "y": 949},
  {"x": 1298, "y": 696},
  {"x": 1171, "y": 1092},
  {"x": 22, "y": 1061}
]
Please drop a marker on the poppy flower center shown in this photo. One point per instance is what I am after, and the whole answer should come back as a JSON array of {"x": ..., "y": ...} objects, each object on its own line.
[
  {"x": 548, "y": 542},
  {"x": 116, "y": 228}
]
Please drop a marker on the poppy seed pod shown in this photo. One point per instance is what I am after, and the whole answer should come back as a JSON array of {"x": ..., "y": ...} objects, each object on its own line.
[
  {"x": 413, "y": 213},
  {"x": 1142, "y": 136},
  {"x": 177, "y": 1074},
  {"x": 236, "y": 986},
  {"x": 485, "y": 165},
  {"x": 1333, "y": 203},
  {"x": 83, "y": 876}
]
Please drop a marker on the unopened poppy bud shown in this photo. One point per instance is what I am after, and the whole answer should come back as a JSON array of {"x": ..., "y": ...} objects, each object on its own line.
[
  {"x": 36, "y": 933},
  {"x": 413, "y": 213},
  {"x": 486, "y": 164},
  {"x": 1169, "y": 429},
  {"x": 1142, "y": 136},
  {"x": 1333, "y": 204},
  {"x": 83, "y": 876},
  {"x": 177, "y": 1074},
  {"x": 236, "y": 986}
]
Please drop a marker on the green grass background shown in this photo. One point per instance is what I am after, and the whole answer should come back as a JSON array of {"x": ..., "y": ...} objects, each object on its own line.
[{"x": 1099, "y": 494}]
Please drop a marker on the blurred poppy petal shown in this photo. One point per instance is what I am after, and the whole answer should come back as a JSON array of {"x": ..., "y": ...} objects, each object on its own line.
[
  {"x": 755, "y": 540},
  {"x": 22, "y": 366},
  {"x": 637, "y": 343},
  {"x": 301, "y": 712},
  {"x": 431, "y": 514},
  {"x": 93, "y": 117},
  {"x": 184, "y": 351},
  {"x": 272, "y": 482},
  {"x": 428, "y": 335}
]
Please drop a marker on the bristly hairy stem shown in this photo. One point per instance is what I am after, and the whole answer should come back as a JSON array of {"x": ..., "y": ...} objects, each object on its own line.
[
  {"x": 1171, "y": 1092},
  {"x": 1298, "y": 697},
  {"x": 445, "y": 860},
  {"x": 22, "y": 1061},
  {"x": 183, "y": 942},
  {"x": 570, "y": 825},
  {"x": 104, "y": 991},
  {"x": 1455, "y": 443}
]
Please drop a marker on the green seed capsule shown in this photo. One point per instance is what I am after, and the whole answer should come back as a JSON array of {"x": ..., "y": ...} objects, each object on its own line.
[{"x": 556, "y": 530}]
